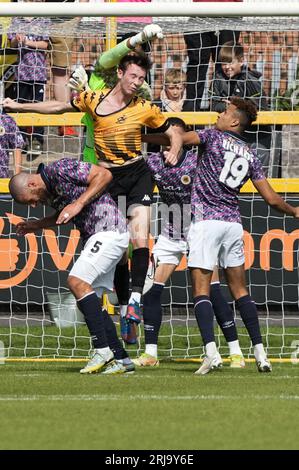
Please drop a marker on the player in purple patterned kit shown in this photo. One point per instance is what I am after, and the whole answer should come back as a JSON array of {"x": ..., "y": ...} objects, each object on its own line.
[
  {"x": 216, "y": 232},
  {"x": 10, "y": 138},
  {"x": 174, "y": 184},
  {"x": 31, "y": 71},
  {"x": 75, "y": 190}
]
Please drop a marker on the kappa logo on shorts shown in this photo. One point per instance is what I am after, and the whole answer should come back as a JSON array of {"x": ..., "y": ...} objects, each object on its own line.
[
  {"x": 239, "y": 252},
  {"x": 146, "y": 197}
]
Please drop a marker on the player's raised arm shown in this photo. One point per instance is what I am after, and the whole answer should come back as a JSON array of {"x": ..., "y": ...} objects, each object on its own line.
[
  {"x": 97, "y": 181},
  {"x": 112, "y": 57},
  {"x": 176, "y": 143},
  {"x": 273, "y": 199},
  {"x": 157, "y": 139},
  {"x": 191, "y": 138},
  {"x": 44, "y": 107}
]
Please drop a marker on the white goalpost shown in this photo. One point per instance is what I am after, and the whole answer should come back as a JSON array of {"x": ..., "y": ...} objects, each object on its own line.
[{"x": 38, "y": 316}]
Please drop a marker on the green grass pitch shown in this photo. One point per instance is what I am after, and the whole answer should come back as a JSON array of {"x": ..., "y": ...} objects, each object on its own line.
[{"x": 51, "y": 406}]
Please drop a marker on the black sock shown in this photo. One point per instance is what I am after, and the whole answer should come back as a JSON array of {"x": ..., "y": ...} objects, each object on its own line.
[
  {"x": 204, "y": 316},
  {"x": 121, "y": 283},
  {"x": 139, "y": 266},
  {"x": 92, "y": 311},
  {"x": 152, "y": 313},
  {"x": 248, "y": 312},
  {"x": 223, "y": 313},
  {"x": 114, "y": 343}
]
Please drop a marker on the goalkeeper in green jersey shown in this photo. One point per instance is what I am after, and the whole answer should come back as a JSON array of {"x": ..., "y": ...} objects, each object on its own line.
[{"x": 105, "y": 76}]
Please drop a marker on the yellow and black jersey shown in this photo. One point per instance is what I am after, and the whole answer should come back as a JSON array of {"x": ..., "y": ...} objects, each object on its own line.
[{"x": 117, "y": 136}]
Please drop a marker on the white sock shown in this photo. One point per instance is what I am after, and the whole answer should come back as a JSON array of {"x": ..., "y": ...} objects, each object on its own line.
[
  {"x": 211, "y": 349},
  {"x": 152, "y": 350},
  {"x": 104, "y": 352},
  {"x": 259, "y": 352},
  {"x": 234, "y": 347},
  {"x": 123, "y": 310},
  {"x": 135, "y": 297}
]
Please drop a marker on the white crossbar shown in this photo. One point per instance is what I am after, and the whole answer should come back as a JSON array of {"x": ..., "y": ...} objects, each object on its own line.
[{"x": 215, "y": 9}]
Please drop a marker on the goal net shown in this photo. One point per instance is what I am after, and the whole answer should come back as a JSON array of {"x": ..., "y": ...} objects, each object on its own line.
[{"x": 38, "y": 315}]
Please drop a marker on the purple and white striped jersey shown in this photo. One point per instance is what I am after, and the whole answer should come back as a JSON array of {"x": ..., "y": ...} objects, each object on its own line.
[
  {"x": 226, "y": 164},
  {"x": 10, "y": 138},
  {"x": 32, "y": 66},
  {"x": 66, "y": 180},
  {"x": 174, "y": 184}
]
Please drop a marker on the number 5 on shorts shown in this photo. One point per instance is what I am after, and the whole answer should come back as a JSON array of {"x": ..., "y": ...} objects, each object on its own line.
[{"x": 96, "y": 247}]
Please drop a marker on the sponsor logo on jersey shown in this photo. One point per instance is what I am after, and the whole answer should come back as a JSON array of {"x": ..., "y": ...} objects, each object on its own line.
[{"x": 121, "y": 119}]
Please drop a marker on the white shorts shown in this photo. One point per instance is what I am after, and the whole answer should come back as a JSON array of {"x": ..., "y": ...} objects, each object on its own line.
[
  {"x": 97, "y": 261},
  {"x": 214, "y": 242},
  {"x": 165, "y": 251},
  {"x": 168, "y": 251}
]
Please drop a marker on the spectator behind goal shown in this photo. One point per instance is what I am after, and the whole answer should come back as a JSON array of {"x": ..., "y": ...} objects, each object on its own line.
[
  {"x": 10, "y": 140},
  {"x": 61, "y": 61},
  {"x": 28, "y": 37},
  {"x": 8, "y": 58},
  {"x": 172, "y": 97},
  {"x": 235, "y": 78},
  {"x": 201, "y": 47},
  {"x": 173, "y": 93}
]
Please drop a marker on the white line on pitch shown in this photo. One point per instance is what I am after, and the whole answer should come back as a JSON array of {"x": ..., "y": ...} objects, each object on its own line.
[
  {"x": 143, "y": 397},
  {"x": 30, "y": 375},
  {"x": 189, "y": 375},
  {"x": 217, "y": 374}
]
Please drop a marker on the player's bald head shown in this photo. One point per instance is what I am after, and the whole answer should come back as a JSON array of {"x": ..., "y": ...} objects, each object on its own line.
[{"x": 18, "y": 186}]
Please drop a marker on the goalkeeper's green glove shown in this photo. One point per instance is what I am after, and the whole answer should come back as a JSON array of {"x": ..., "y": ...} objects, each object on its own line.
[
  {"x": 78, "y": 80},
  {"x": 150, "y": 31}
]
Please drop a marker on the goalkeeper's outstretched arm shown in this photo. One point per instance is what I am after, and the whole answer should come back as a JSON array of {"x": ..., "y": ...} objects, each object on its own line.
[
  {"x": 112, "y": 57},
  {"x": 79, "y": 80}
]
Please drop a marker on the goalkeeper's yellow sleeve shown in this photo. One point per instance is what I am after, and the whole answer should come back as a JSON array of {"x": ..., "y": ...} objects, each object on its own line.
[{"x": 112, "y": 57}]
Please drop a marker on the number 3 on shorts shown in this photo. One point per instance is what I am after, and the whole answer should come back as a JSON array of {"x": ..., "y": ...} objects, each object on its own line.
[
  {"x": 96, "y": 247},
  {"x": 234, "y": 171}
]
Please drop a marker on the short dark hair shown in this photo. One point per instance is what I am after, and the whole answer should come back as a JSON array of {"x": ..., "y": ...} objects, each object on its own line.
[
  {"x": 138, "y": 59},
  {"x": 229, "y": 51},
  {"x": 246, "y": 110},
  {"x": 175, "y": 121}
]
